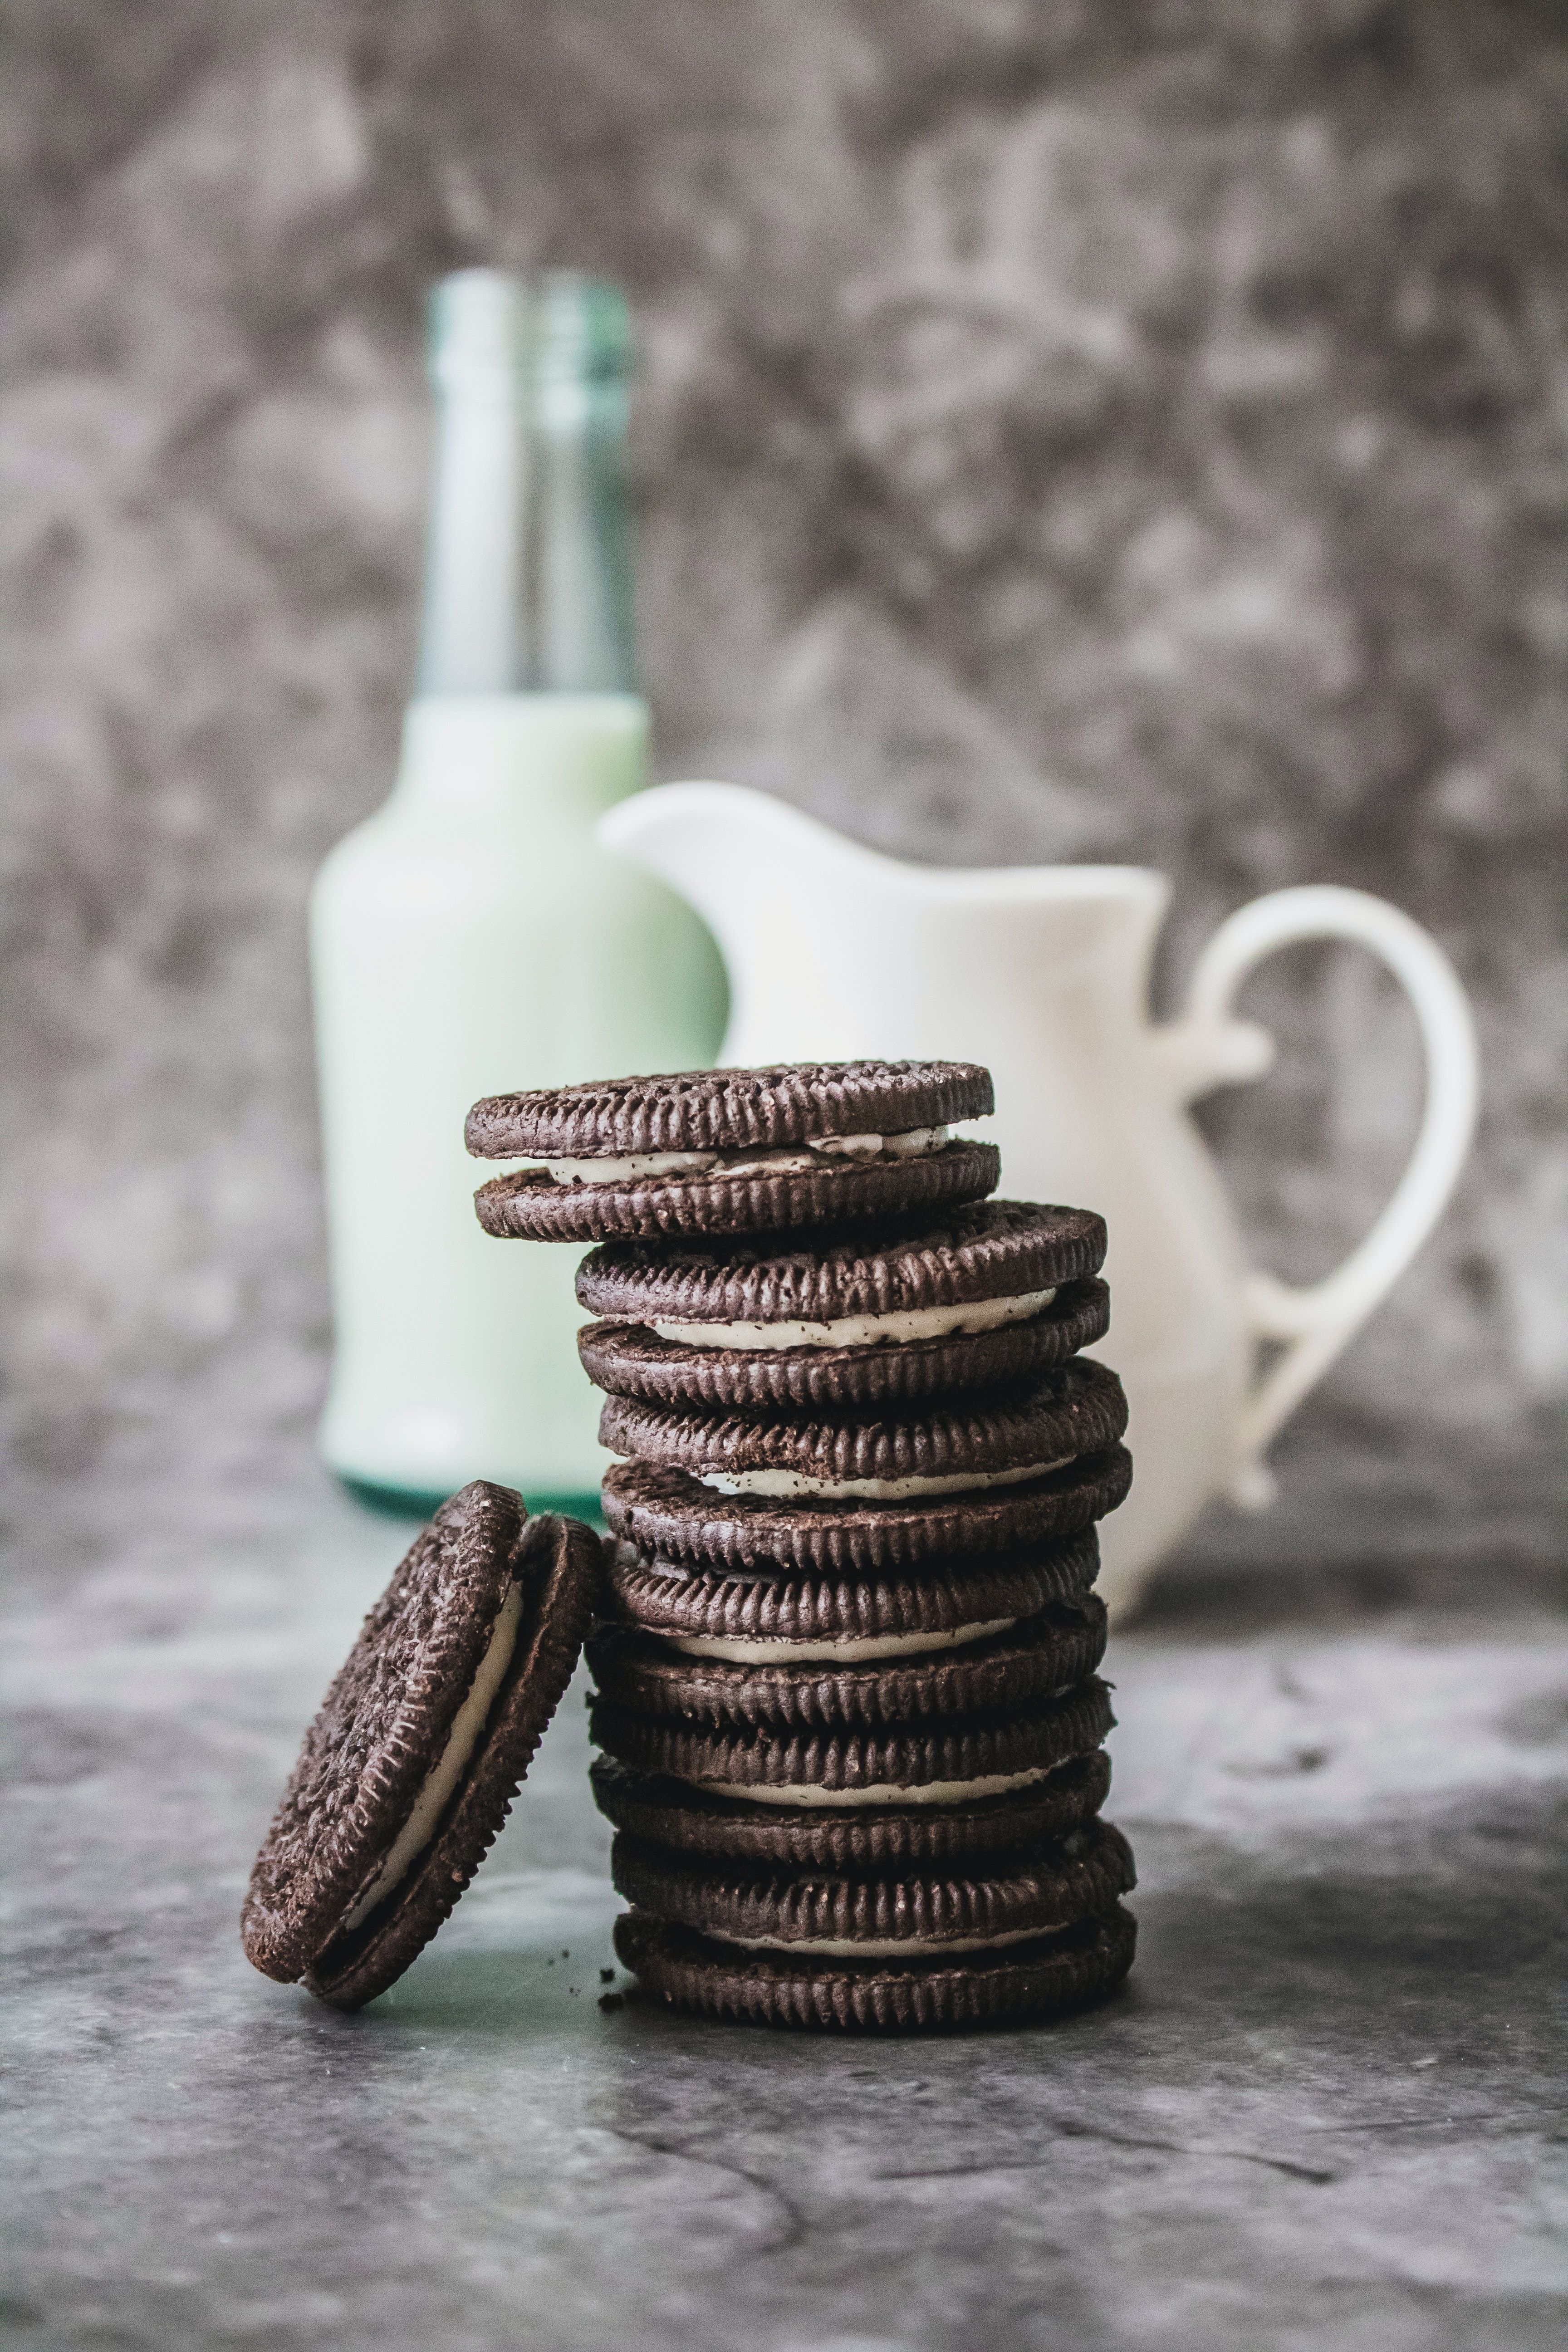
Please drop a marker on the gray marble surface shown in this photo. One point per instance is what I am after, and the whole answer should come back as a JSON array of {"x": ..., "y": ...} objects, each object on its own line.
[{"x": 1325, "y": 2113}]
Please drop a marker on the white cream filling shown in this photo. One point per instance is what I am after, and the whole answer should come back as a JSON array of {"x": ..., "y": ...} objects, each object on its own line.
[
  {"x": 444, "y": 1776},
  {"x": 881, "y": 1792},
  {"x": 873, "y": 1490},
  {"x": 893, "y": 1328},
  {"x": 739, "y": 1653},
  {"x": 876, "y": 1948},
  {"x": 624, "y": 1172},
  {"x": 792, "y": 1160}
]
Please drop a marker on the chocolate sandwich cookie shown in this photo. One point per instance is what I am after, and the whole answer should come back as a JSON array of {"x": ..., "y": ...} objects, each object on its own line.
[
  {"x": 991, "y": 1294},
  {"x": 408, "y": 1771},
  {"x": 926, "y": 1914},
  {"x": 672, "y": 1515},
  {"x": 758, "y": 1621},
  {"x": 681, "y": 1817},
  {"x": 1048, "y": 1977},
  {"x": 628, "y": 1359},
  {"x": 733, "y": 1151},
  {"x": 935, "y": 1763},
  {"x": 960, "y": 1448},
  {"x": 999, "y": 1675}
]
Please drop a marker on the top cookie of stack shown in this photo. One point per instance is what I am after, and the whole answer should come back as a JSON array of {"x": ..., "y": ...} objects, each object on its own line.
[
  {"x": 848, "y": 1694},
  {"x": 732, "y": 1151}
]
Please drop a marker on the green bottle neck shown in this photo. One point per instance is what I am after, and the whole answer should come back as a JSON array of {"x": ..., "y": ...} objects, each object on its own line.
[{"x": 528, "y": 578}]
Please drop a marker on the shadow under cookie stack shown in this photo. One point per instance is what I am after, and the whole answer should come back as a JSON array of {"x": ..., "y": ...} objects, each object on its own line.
[{"x": 846, "y": 1692}]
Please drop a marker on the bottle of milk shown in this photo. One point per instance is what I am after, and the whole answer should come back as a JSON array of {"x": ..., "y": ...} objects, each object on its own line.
[{"x": 469, "y": 939}]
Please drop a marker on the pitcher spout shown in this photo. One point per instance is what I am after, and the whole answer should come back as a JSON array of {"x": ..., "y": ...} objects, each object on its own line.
[
  {"x": 725, "y": 849},
  {"x": 789, "y": 902},
  {"x": 835, "y": 950}
]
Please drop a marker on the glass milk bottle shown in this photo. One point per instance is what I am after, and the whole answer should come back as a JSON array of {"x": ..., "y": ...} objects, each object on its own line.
[{"x": 469, "y": 939}]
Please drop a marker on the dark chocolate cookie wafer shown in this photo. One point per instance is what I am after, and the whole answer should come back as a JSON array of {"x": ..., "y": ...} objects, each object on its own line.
[
  {"x": 1005, "y": 1986},
  {"x": 998, "y": 1252},
  {"x": 1001, "y": 1674},
  {"x": 728, "y": 1110},
  {"x": 408, "y": 1770},
  {"x": 1079, "y": 1878},
  {"x": 684, "y": 1819},
  {"x": 734, "y": 1151},
  {"x": 750, "y": 1617},
  {"x": 804, "y": 1189},
  {"x": 962, "y": 1445},
  {"x": 628, "y": 1359},
  {"x": 937, "y": 1762},
  {"x": 672, "y": 1514}
]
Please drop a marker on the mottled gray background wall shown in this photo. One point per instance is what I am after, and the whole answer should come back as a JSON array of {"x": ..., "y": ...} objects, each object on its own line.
[{"x": 1074, "y": 429}]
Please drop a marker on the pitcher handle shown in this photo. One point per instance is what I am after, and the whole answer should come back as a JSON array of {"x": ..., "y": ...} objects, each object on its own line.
[{"x": 1315, "y": 1321}]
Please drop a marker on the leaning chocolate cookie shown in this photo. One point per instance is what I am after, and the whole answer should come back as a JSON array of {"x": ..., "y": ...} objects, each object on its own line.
[
  {"x": 733, "y": 1151},
  {"x": 408, "y": 1771}
]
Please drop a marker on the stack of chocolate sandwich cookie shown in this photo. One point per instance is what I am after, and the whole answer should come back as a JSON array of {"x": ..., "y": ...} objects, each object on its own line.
[{"x": 846, "y": 1689}]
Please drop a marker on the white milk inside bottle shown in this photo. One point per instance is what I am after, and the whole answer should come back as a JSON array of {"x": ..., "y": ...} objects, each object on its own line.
[{"x": 470, "y": 939}]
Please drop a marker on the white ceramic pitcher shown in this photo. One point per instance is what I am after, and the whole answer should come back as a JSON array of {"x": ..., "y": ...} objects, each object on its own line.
[{"x": 1042, "y": 973}]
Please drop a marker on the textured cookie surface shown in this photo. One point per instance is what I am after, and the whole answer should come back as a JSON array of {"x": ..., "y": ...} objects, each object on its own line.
[
  {"x": 384, "y": 1725},
  {"x": 729, "y": 1110},
  {"x": 559, "y": 1563},
  {"x": 1048, "y": 1977},
  {"x": 663, "y": 1597},
  {"x": 1078, "y": 1878},
  {"x": 628, "y": 1359},
  {"x": 839, "y": 1764},
  {"x": 679, "y": 1818},
  {"x": 670, "y": 1513},
  {"x": 995, "y": 1249},
  {"x": 1008, "y": 1672},
  {"x": 528, "y": 1206},
  {"x": 384, "y": 1718},
  {"x": 1080, "y": 1408}
]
